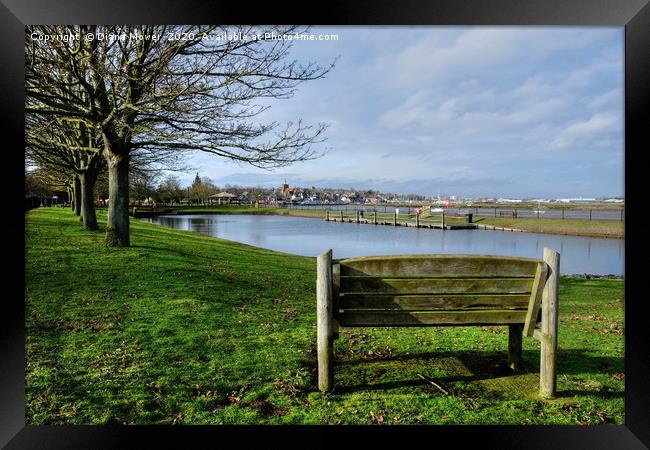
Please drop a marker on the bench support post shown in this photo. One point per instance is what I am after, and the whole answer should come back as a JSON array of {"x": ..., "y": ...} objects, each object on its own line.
[
  {"x": 324, "y": 320},
  {"x": 549, "y": 325},
  {"x": 515, "y": 333}
]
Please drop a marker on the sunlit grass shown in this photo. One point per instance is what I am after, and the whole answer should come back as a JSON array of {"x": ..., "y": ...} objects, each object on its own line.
[{"x": 186, "y": 329}]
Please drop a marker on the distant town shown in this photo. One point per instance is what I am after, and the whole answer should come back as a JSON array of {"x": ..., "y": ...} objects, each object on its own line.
[{"x": 202, "y": 191}]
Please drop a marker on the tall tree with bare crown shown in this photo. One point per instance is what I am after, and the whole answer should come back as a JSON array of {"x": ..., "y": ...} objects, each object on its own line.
[{"x": 170, "y": 88}]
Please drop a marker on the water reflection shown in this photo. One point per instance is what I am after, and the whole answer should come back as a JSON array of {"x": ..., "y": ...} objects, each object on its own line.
[{"x": 309, "y": 237}]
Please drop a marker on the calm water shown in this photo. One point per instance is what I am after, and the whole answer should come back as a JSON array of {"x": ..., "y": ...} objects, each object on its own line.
[{"x": 310, "y": 237}]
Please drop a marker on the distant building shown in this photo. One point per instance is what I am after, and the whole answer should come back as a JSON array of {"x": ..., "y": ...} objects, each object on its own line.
[
  {"x": 222, "y": 198},
  {"x": 288, "y": 193},
  {"x": 576, "y": 200}
]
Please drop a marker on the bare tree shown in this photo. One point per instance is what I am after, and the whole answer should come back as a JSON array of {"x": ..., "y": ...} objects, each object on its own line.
[
  {"x": 145, "y": 91},
  {"x": 202, "y": 189},
  {"x": 70, "y": 146},
  {"x": 44, "y": 182},
  {"x": 170, "y": 190}
]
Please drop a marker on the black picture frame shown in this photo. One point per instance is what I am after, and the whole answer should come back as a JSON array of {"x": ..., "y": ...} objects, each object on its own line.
[{"x": 634, "y": 15}]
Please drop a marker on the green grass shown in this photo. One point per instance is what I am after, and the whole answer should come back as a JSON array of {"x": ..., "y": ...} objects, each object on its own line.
[
  {"x": 574, "y": 227},
  {"x": 186, "y": 329}
]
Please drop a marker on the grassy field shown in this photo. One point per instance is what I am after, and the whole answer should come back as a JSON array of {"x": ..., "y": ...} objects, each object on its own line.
[
  {"x": 574, "y": 227},
  {"x": 186, "y": 329}
]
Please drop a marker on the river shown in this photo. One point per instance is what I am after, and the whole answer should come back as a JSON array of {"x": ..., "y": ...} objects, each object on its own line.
[{"x": 310, "y": 237}]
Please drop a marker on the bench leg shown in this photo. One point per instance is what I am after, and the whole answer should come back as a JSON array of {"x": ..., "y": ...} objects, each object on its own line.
[
  {"x": 550, "y": 295},
  {"x": 515, "y": 333},
  {"x": 324, "y": 321}
]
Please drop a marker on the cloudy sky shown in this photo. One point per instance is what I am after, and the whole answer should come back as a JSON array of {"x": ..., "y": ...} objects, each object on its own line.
[{"x": 468, "y": 111}]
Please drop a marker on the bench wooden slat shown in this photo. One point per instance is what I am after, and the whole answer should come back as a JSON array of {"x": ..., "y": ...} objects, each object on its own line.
[
  {"x": 434, "y": 318},
  {"x": 439, "y": 265},
  {"x": 436, "y": 285},
  {"x": 433, "y": 302}
]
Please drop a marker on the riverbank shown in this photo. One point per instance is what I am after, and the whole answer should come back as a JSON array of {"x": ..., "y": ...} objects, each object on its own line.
[
  {"x": 182, "y": 328},
  {"x": 568, "y": 227}
]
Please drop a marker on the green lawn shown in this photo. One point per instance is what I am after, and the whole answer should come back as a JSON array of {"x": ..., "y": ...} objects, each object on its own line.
[
  {"x": 187, "y": 329},
  {"x": 574, "y": 227}
]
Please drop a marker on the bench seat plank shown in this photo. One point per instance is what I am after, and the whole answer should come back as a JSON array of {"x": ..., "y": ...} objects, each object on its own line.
[
  {"x": 433, "y": 302},
  {"x": 352, "y": 318}
]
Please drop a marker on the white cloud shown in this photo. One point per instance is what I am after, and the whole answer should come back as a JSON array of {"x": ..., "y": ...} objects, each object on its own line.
[
  {"x": 460, "y": 105},
  {"x": 479, "y": 51},
  {"x": 597, "y": 124},
  {"x": 607, "y": 100}
]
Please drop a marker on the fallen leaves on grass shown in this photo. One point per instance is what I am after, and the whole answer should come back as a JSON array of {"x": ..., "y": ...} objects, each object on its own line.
[
  {"x": 177, "y": 418},
  {"x": 234, "y": 398},
  {"x": 289, "y": 388},
  {"x": 378, "y": 354},
  {"x": 290, "y": 313},
  {"x": 377, "y": 418}
]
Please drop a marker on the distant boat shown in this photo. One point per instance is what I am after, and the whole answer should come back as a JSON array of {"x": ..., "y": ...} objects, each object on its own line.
[{"x": 436, "y": 210}]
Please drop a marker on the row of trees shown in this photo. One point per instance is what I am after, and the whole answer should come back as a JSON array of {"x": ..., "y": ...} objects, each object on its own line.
[
  {"x": 124, "y": 100},
  {"x": 169, "y": 189}
]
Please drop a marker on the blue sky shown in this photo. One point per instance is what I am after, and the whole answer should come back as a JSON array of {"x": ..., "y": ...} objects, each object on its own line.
[{"x": 468, "y": 111}]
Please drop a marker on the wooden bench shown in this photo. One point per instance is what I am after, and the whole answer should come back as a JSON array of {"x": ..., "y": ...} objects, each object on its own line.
[{"x": 441, "y": 290}]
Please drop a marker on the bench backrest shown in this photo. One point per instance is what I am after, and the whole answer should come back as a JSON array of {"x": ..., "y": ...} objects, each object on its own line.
[{"x": 435, "y": 290}]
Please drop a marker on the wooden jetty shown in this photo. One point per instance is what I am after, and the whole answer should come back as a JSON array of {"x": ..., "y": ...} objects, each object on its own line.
[
  {"x": 407, "y": 220},
  {"x": 396, "y": 220}
]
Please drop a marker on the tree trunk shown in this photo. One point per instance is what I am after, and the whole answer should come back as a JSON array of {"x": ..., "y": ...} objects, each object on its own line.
[
  {"x": 117, "y": 226},
  {"x": 77, "y": 195},
  {"x": 87, "y": 179}
]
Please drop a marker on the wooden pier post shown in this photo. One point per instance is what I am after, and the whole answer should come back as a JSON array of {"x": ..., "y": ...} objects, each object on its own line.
[
  {"x": 549, "y": 326},
  {"x": 341, "y": 215},
  {"x": 443, "y": 219},
  {"x": 374, "y": 217},
  {"x": 394, "y": 219},
  {"x": 327, "y": 216},
  {"x": 417, "y": 220},
  {"x": 324, "y": 321},
  {"x": 357, "y": 216}
]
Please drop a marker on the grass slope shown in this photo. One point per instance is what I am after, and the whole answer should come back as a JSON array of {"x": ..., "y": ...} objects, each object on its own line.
[
  {"x": 187, "y": 329},
  {"x": 572, "y": 227}
]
